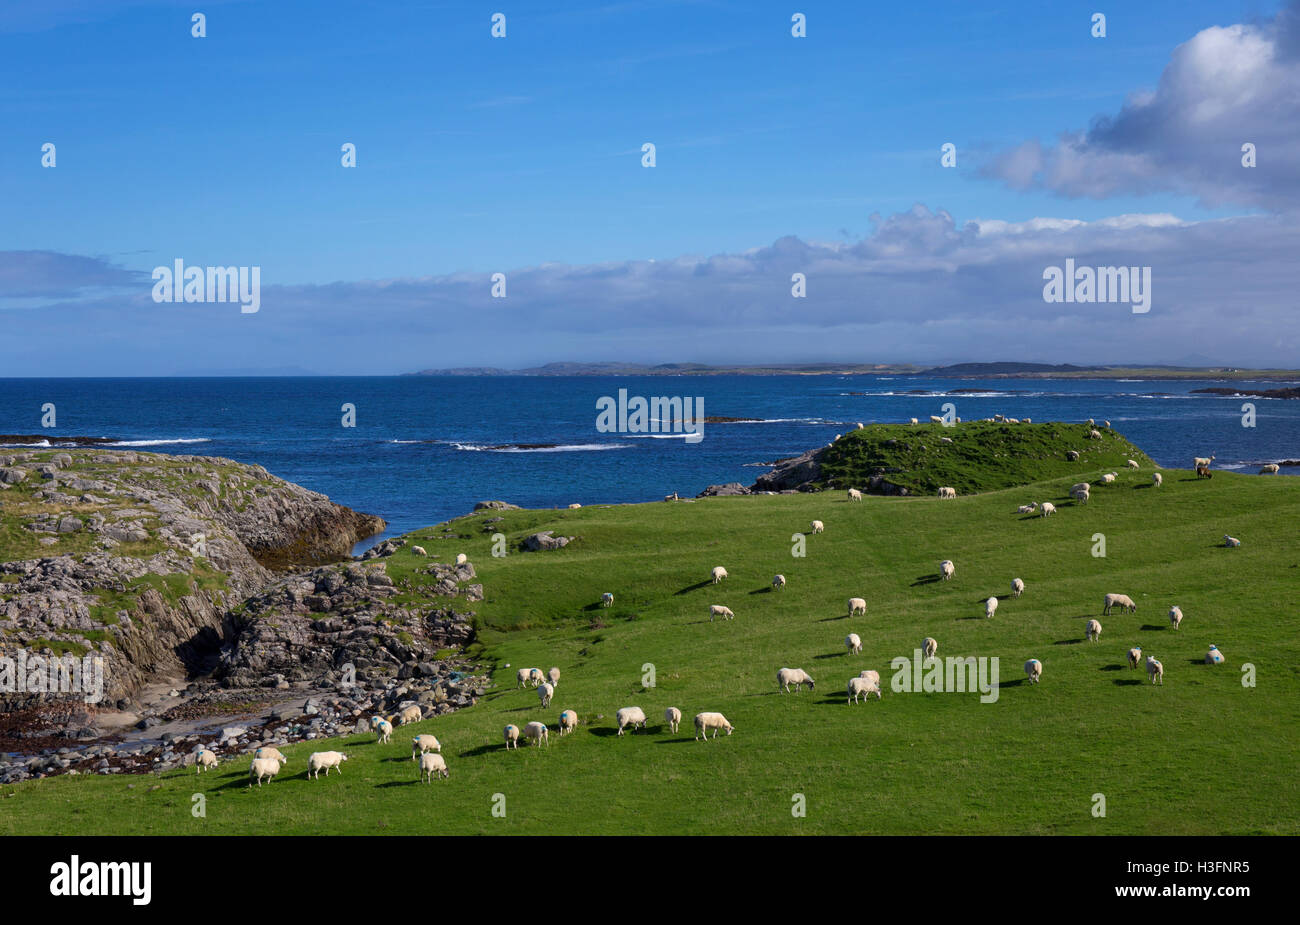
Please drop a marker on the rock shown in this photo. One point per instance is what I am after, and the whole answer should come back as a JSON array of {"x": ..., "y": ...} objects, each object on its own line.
[
  {"x": 544, "y": 540},
  {"x": 495, "y": 506},
  {"x": 730, "y": 488},
  {"x": 232, "y": 732},
  {"x": 12, "y": 476}
]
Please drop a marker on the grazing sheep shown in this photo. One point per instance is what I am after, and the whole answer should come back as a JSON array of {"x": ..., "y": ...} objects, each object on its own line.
[
  {"x": 1017, "y": 587},
  {"x": 1027, "y": 508},
  {"x": 1091, "y": 422},
  {"x": 1214, "y": 656},
  {"x": 854, "y": 643},
  {"x": 935, "y": 419},
  {"x": 1083, "y": 496},
  {"x": 718, "y": 573},
  {"x": 204, "y": 758},
  {"x": 568, "y": 722},
  {"x": 1106, "y": 424},
  {"x": 1107, "y": 478},
  {"x": 538, "y": 733},
  {"x": 574, "y": 507},
  {"x": 512, "y": 736},
  {"x": 432, "y": 765},
  {"x": 946, "y": 491},
  {"x": 857, "y": 605},
  {"x": 717, "y": 610},
  {"x": 1135, "y": 656},
  {"x": 553, "y": 676},
  {"x": 461, "y": 558},
  {"x": 383, "y": 728},
  {"x": 855, "y": 495},
  {"x": 266, "y": 751},
  {"x": 1092, "y": 632},
  {"x": 1094, "y": 435},
  {"x": 913, "y": 421},
  {"x": 706, "y": 721},
  {"x": 1122, "y": 601},
  {"x": 1080, "y": 486},
  {"x": 872, "y": 679},
  {"x": 990, "y": 608},
  {"x": 1202, "y": 461},
  {"x": 262, "y": 767},
  {"x": 535, "y": 676},
  {"x": 544, "y": 693},
  {"x": 796, "y": 676},
  {"x": 1157, "y": 479},
  {"x": 522, "y": 676},
  {"x": 1155, "y": 670},
  {"x": 1132, "y": 464},
  {"x": 946, "y": 569},
  {"x": 630, "y": 716},
  {"x": 673, "y": 717},
  {"x": 861, "y": 688},
  {"x": 778, "y": 582},
  {"x": 1034, "y": 670},
  {"x": 1203, "y": 472},
  {"x": 1072, "y": 455},
  {"x": 1175, "y": 616},
  {"x": 1231, "y": 541},
  {"x": 324, "y": 761},
  {"x": 1048, "y": 509},
  {"x": 424, "y": 743},
  {"x": 945, "y": 439},
  {"x": 1026, "y": 420},
  {"x": 929, "y": 646},
  {"x": 860, "y": 426},
  {"x": 1269, "y": 469},
  {"x": 412, "y": 714},
  {"x": 607, "y": 600},
  {"x": 817, "y": 526},
  {"x": 419, "y": 551}
]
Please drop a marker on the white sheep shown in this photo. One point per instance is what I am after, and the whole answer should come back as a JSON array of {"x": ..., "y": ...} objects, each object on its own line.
[
  {"x": 1080, "y": 486},
  {"x": 412, "y": 714},
  {"x": 267, "y": 751},
  {"x": 568, "y": 722},
  {"x": 796, "y": 676},
  {"x": 872, "y": 679},
  {"x": 535, "y": 676},
  {"x": 717, "y": 610},
  {"x": 854, "y": 643},
  {"x": 419, "y": 551},
  {"x": 990, "y": 607},
  {"x": 946, "y": 491},
  {"x": 1107, "y": 478},
  {"x": 1106, "y": 424},
  {"x": 1135, "y": 656},
  {"x": 706, "y": 721},
  {"x": 1027, "y": 508},
  {"x": 1048, "y": 509},
  {"x": 1091, "y": 422},
  {"x": 817, "y": 526},
  {"x": 432, "y": 765},
  {"x": 855, "y": 495},
  {"x": 1231, "y": 541},
  {"x": 1214, "y": 656},
  {"x": 861, "y": 688},
  {"x": 1175, "y": 616},
  {"x": 522, "y": 676},
  {"x": 630, "y": 716},
  {"x": 1155, "y": 670},
  {"x": 537, "y": 732},
  {"x": 718, "y": 573},
  {"x": 383, "y": 728},
  {"x": 461, "y": 558},
  {"x": 544, "y": 694},
  {"x": 778, "y": 582},
  {"x": 607, "y": 600},
  {"x": 1017, "y": 587},
  {"x": 673, "y": 717},
  {"x": 1202, "y": 461},
  {"x": 1122, "y": 601},
  {"x": 913, "y": 421},
  {"x": 1132, "y": 464},
  {"x": 929, "y": 646},
  {"x": 512, "y": 736},
  {"x": 262, "y": 768},
  {"x": 935, "y": 419},
  {"x": 1026, "y": 420},
  {"x": 553, "y": 676},
  {"x": 1092, "y": 632},
  {"x": 1269, "y": 469},
  {"x": 1081, "y": 495},
  {"x": 574, "y": 506},
  {"x": 424, "y": 743},
  {"x": 945, "y": 439},
  {"x": 946, "y": 569},
  {"x": 1157, "y": 479},
  {"x": 204, "y": 759},
  {"x": 857, "y": 605},
  {"x": 1034, "y": 670},
  {"x": 1094, "y": 435},
  {"x": 324, "y": 761}
]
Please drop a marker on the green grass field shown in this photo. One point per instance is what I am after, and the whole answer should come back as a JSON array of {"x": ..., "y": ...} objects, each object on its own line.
[{"x": 1201, "y": 755}]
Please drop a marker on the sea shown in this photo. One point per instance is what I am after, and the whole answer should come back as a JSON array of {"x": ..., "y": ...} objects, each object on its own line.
[{"x": 424, "y": 449}]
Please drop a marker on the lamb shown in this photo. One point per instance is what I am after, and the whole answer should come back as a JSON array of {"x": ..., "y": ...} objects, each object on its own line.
[
  {"x": 553, "y": 676},
  {"x": 778, "y": 582},
  {"x": 718, "y": 573},
  {"x": 855, "y": 495},
  {"x": 512, "y": 736},
  {"x": 1269, "y": 469},
  {"x": 607, "y": 600},
  {"x": 1034, "y": 670},
  {"x": 538, "y": 733},
  {"x": 946, "y": 569},
  {"x": 706, "y": 721},
  {"x": 1155, "y": 670},
  {"x": 990, "y": 608},
  {"x": 424, "y": 743},
  {"x": 262, "y": 767},
  {"x": 1132, "y": 464},
  {"x": 1157, "y": 479},
  {"x": 857, "y": 605},
  {"x": 267, "y": 751},
  {"x": 1202, "y": 461},
  {"x": 412, "y": 714},
  {"x": 544, "y": 694},
  {"x": 817, "y": 526},
  {"x": 1134, "y": 656},
  {"x": 1092, "y": 632},
  {"x": 630, "y": 716},
  {"x": 717, "y": 610},
  {"x": 1017, "y": 587},
  {"x": 382, "y": 727},
  {"x": 1203, "y": 472},
  {"x": 432, "y": 765},
  {"x": 872, "y": 682},
  {"x": 1048, "y": 509},
  {"x": 796, "y": 676},
  {"x": 1027, "y": 508},
  {"x": 946, "y": 491},
  {"x": 1175, "y": 616},
  {"x": 461, "y": 558},
  {"x": 419, "y": 550},
  {"x": 1083, "y": 496},
  {"x": 673, "y": 717},
  {"x": 854, "y": 643},
  {"x": 568, "y": 722},
  {"x": 861, "y": 688},
  {"x": 1214, "y": 656},
  {"x": 319, "y": 761},
  {"x": 1122, "y": 601},
  {"x": 1231, "y": 541},
  {"x": 204, "y": 758},
  {"x": 929, "y": 646}
]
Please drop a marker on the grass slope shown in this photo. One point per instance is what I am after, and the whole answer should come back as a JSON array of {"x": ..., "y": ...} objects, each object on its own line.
[{"x": 1202, "y": 754}]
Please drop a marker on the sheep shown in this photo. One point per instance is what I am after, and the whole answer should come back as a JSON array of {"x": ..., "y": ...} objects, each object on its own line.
[
  {"x": 1080, "y": 486},
  {"x": 1122, "y": 601},
  {"x": 419, "y": 550},
  {"x": 262, "y": 767},
  {"x": 1202, "y": 461},
  {"x": 860, "y": 426},
  {"x": 1092, "y": 632},
  {"x": 945, "y": 439},
  {"x": 461, "y": 558},
  {"x": 1083, "y": 497},
  {"x": 630, "y": 716},
  {"x": 1214, "y": 656},
  {"x": 935, "y": 419},
  {"x": 1155, "y": 670},
  {"x": 717, "y": 610},
  {"x": 424, "y": 743},
  {"x": 204, "y": 758},
  {"x": 913, "y": 421},
  {"x": 990, "y": 608},
  {"x": 544, "y": 694},
  {"x": 512, "y": 736},
  {"x": 718, "y": 574},
  {"x": 319, "y": 761},
  {"x": 947, "y": 491},
  {"x": 412, "y": 714},
  {"x": 1034, "y": 670},
  {"x": 1094, "y": 435},
  {"x": 1231, "y": 541},
  {"x": 522, "y": 676},
  {"x": 796, "y": 676},
  {"x": 929, "y": 646},
  {"x": 778, "y": 582},
  {"x": 1157, "y": 479},
  {"x": 574, "y": 507},
  {"x": 383, "y": 728},
  {"x": 872, "y": 679},
  {"x": 568, "y": 722},
  {"x": 817, "y": 526},
  {"x": 1106, "y": 424},
  {"x": 1017, "y": 587},
  {"x": 1027, "y": 508},
  {"x": 861, "y": 688},
  {"x": 553, "y": 676},
  {"x": 1072, "y": 455},
  {"x": 673, "y": 717},
  {"x": 1269, "y": 469},
  {"x": 1091, "y": 422},
  {"x": 538, "y": 733},
  {"x": 1203, "y": 472},
  {"x": 1048, "y": 509},
  {"x": 1013, "y": 420},
  {"x": 998, "y": 417},
  {"x": 1132, "y": 464},
  {"x": 857, "y": 605},
  {"x": 1026, "y": 420},
  {"x": 854, "y": 643},
  {"x": 1135, "y": 656},
  {"x": 1175, "y": 616},
  {"x": 946, "y": 569},
  {"x": 267, "y": 751},
  {"x": 706, "y": 721},
  {"x": 535, "y": 676},
  {"x": 855, "y": 495},
  {"x": 1107, "y": 478},
  {"x": 433, "y": 765},
  {"x": 607, "y": 600}
]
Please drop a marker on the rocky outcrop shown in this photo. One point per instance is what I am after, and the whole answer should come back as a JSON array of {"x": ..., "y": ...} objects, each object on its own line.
[
  {"x": 538, "y": 542},
  {"x": 797, "y": 473},
  {"x": 730, "y": 488}
]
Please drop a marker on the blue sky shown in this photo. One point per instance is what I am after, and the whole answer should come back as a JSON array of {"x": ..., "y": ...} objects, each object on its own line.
[{"x": 478, "y": 155}]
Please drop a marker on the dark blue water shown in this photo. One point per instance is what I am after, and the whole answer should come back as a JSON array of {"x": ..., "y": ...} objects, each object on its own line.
[{"x": 417, "y": 453}]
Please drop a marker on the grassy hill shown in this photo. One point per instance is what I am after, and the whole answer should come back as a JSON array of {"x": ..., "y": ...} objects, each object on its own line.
[{"x": 1203, "y": 754}]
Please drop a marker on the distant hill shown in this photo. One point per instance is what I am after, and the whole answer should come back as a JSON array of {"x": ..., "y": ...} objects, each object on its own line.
[
  {"x": 985, "y": 370},
  {"x": 680, "y": 369}
]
